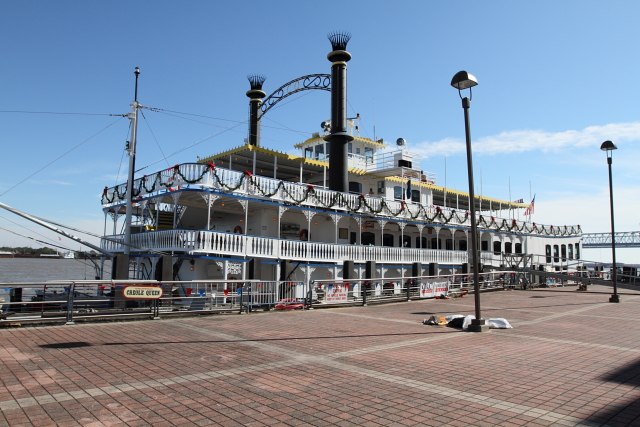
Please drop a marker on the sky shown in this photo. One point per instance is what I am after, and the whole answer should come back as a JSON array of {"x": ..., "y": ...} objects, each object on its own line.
[{"x": 553, "y": 85}]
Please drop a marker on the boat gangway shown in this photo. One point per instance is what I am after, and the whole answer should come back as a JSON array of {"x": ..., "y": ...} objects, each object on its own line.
[{"x": 625, "y": 239}]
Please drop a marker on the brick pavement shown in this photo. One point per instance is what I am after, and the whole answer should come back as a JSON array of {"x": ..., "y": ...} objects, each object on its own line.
[{"x": 571, "y": 359}]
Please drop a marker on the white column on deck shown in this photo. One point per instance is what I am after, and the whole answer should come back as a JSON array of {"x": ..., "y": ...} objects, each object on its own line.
[
  {"x": 275, "y": 166},
  {"x": 208, "y": 212},
  {"x": 254, "y": 162}
]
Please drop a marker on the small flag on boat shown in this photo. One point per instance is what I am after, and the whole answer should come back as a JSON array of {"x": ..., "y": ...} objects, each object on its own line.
[{"x": 530, "y": 209}]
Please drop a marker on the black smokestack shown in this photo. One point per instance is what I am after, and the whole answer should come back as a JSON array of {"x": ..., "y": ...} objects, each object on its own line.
[{"x": 338, "y": 138}]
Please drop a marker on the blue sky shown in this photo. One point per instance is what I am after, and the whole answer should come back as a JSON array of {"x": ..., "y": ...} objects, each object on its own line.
[{"x": 554, "y": 83}]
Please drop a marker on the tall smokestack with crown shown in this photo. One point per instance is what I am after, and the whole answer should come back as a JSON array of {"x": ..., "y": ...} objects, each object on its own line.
[
  {"x": 255, "y": 101},
  {"x": 338, "y": 138}
]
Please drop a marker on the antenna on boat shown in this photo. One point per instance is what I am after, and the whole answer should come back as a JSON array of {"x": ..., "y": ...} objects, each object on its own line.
[
  {"x": 374, "y": 120},
  {"x": 133, "y": 116}
]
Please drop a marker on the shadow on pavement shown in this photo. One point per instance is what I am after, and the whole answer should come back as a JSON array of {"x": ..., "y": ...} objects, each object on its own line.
[
  {"x": 626, "y": 412},
  {"x": 78, "y": 344}
]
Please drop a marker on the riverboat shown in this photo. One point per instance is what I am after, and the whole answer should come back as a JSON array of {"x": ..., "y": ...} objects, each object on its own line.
[{"x": 344, "y": 207}]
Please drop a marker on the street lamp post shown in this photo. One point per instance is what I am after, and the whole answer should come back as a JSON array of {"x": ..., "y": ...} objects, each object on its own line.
[
  {"x": 608, "y": 147},
  {"x": 460, "y": 81}
]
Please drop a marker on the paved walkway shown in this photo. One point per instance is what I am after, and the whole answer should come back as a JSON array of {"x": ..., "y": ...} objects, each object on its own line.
[{"x": 571, "y": 359}]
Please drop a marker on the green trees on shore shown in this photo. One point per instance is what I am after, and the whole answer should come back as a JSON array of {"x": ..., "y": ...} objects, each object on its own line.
[{"x": 28, "y": 251}]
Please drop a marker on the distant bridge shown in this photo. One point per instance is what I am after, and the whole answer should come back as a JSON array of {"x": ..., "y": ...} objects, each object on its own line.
[{"x": 627, "y": 239}]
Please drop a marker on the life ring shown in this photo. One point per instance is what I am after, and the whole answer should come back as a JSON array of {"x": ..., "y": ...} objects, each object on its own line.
[
  {"x": 304, "y": 235},
  {"x": 237, "y": 230}
]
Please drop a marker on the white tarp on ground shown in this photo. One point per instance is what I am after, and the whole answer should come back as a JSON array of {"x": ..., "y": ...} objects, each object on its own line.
[{"x": 496, "y": 323}]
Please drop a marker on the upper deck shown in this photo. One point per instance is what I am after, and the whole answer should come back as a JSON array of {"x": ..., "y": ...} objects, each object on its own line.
[{"x": 209, "y": 178}]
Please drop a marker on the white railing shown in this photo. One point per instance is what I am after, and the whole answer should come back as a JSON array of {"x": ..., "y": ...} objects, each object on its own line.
[
  {"x": 198, "y": 241},
  {"x": 239, "y": 183}
]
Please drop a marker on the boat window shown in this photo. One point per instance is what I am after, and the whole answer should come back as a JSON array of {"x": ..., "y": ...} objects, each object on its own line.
[
  {"x": 368, "y": 238},
  {"x": 507, "y": 247},
  {"x": 448, "y": 244},
  {"x": 547, "y": 251},
  {"x": 355, "y": 187},
  {"x": 387, "y": 239},
  {"x": 308, "y": 153},
  {"x": 421, "y": 242},
  {"x": 556, "y": 255},
  {"x": 368, "y": 154},
  {"x": 563, "y": 252},
  {"x": 352, "y": 237},
  {"x": 380, "y": 187},
  {"x": 570, "y": 251},
  {"x": 436, "y": 244},
  {"x": 350, "y": 149},
  {"x": 484, "y": 245},
  {"x": 358, "y": 151},
  {"x": 497, "y": 247},
  {"x": 518, "y": 248},
  {"x": 462, "y": 245},
  {"x": 406, "y": 241},
  {"x": 415, "y": 196},
  {"x": 397, "y": 192},
  {"x": 327, "y": 149},
  {"x": 320, "y": 152},
  {"x": 577, "y": 250}
]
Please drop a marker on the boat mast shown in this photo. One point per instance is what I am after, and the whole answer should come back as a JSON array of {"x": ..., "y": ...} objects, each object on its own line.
[{"x": 131, "y": 148}]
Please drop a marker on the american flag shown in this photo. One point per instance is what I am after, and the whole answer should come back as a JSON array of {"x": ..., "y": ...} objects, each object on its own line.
[{"x": 530, "y": 209}]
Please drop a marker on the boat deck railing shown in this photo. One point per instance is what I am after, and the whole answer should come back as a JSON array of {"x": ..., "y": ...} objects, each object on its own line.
[
  {"x": 205, "y": 177},
  {"x": 202, "y": 241}
]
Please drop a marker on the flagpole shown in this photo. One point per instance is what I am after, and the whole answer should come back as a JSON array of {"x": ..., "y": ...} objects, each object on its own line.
[
  {"x": 530, "y": 199},
  {"x": 510, "y": 205}
]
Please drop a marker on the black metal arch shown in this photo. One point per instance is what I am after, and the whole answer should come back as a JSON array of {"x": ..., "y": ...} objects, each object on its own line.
[{"x": 310, "y": 82}]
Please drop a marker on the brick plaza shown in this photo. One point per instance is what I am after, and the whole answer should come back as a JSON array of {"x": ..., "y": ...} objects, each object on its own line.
[{"x": 571, "y": 359}]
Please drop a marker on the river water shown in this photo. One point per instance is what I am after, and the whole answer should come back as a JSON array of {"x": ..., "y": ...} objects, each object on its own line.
[
  {"x": 39, "y": 270},
  {"x": 44, "y": 269}
]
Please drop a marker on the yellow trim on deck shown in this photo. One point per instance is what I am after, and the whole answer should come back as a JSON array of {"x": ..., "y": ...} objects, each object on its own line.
[
  {"x": 449, "y": 191},
  {"x": 367, "y": 141},
  {"x": 319, "y": 163},
  {"x": 273, "y": 153}
]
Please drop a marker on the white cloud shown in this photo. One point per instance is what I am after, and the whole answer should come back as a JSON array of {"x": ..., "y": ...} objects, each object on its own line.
[
  {"x": 52, "y": 182},
  {"x": 518, "y": 141}
]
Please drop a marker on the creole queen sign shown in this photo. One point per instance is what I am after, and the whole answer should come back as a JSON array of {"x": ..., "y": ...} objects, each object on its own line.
[{"x": 142, "y": 292}]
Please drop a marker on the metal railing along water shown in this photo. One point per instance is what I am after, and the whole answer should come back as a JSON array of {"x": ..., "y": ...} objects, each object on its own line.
[{"x": 70, "y": 301}]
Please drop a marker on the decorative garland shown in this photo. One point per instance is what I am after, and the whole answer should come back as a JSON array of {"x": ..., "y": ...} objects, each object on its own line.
[{"x": 337, "y": 199}]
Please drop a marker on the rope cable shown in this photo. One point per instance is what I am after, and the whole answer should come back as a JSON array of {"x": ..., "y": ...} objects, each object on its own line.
[
  {"x": 53, "y": 112},
  {"x": 122, "y": 158},
  {"x": 61, "y": 156},
  {"x": 154, "y": 136}
]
